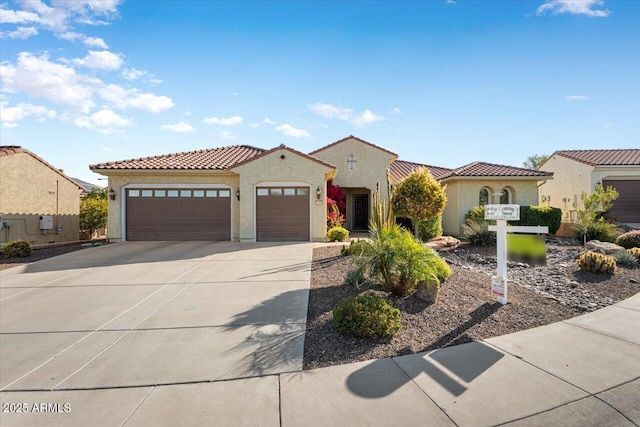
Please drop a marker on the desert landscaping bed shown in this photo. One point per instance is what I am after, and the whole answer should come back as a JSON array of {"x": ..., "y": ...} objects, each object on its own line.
[
  {"x": 38, "y": 254},
  {"x": 465, "y": 311}
]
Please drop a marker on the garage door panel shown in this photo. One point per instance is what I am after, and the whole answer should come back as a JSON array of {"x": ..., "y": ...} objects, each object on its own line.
[
  {"x": 282, "y": 214},
  {"x": 626, "y": 208},
  {"x": 183, "y": 214}
]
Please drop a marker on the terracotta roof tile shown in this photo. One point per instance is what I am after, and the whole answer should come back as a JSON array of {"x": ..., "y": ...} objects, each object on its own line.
[
  {"x": 400, "y": 169},
  {"x": 291, "y": 150},
  {"x": 357, "y": 139},
  {"x": 490, "y": 169},
  {"x": 620, "y": 157},
  {"x": 220, "y": 158}
]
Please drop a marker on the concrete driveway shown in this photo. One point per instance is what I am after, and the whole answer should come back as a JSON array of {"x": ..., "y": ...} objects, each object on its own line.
[{"x": 149, "y": 313}]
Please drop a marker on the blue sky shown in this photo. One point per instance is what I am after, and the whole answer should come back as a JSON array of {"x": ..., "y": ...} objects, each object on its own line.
[{"x": 438, "y": 82}]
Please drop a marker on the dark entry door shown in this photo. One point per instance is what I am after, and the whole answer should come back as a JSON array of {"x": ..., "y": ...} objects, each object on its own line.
[{"x": 360, "y": 211}]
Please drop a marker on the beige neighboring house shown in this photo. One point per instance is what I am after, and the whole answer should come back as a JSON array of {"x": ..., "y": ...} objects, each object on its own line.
[
  {"x": 247, "y": 193},
  {"x": 576, "y": 171},
  {"x": 38, "y": 202}
]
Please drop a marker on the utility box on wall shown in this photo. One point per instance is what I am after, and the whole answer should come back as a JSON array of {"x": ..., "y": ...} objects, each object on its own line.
[{"x": 46, "y": 222}]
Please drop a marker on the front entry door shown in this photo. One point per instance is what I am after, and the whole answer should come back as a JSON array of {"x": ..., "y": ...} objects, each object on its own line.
[{"x": 360, "y": 211}]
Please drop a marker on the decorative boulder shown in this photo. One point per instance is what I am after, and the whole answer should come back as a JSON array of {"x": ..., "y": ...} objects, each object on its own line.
[
  {"x": 605, "y": 248},
  {"x": 428, "y": 290},
  {"x": 443, "y": 244}
]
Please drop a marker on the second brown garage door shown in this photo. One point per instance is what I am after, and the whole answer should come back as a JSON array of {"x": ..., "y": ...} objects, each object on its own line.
[
  {"x": 178, "y": 214},
  {"x": 282, "y": 214},
  {"x": 626, "y": 208}
]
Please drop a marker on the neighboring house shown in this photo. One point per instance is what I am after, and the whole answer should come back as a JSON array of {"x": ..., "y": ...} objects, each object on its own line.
[
  {"x": 39, "y": 203},
  {"x": 252, "y": 194},
  {"x": 576, "y": 171}
]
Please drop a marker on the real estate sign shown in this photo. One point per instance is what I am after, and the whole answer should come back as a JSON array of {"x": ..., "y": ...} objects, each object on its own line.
[{"x": 508, "y": 212}]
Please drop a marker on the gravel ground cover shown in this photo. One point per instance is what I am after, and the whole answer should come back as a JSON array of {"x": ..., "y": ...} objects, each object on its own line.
[{"x": 466, "y": 310}]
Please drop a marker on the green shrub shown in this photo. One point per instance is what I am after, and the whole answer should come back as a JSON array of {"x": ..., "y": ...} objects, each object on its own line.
[
  {"x": 337, "y": 234},
  {"x": 476, "y": 214},
  {"x": 596, "y": 230},
  {"x": 540, "y": 215},
  {"x": 595, "y": 262},
  {"x": 430, "y": 228},
  {"x": 635, "y": 252},
  {"x": 630, "y": 239},
  {"x": 477, "y": 232},
  {"x": 366, "y": 316},
  {"x": 354, "y": 248},
  {"x": 398, "y": 261},
  {"x": 354, "y": 277},
  {"x": 625, "y": 259},
  {"x": 17, "y": 249}
]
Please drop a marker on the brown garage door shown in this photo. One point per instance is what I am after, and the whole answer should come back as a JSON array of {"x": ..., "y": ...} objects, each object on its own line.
[
  {"x": 282, "y": 214},
  {"x": 178, "y": 214},
  {"x": 626, "y": 208}
]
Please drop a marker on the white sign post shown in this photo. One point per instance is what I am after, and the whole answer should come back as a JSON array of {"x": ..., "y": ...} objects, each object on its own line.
[{"x": 502, "y": 214}]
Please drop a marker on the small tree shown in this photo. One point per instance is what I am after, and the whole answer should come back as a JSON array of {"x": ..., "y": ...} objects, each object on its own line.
[
  {"x": 419, "y": 197},
  {"x": 534, "y": 162},
  {"x": 591, "y": 224},
  {"x": 94, "y": 211}
]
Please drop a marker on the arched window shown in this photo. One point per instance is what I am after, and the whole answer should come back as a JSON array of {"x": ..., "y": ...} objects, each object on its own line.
[
  {"x": 485, "y": 197},
  {"x": 505, "y": 199}
]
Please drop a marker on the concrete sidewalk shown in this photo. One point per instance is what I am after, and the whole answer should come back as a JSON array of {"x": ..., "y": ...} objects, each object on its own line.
[{"x": 581, "y": 372}]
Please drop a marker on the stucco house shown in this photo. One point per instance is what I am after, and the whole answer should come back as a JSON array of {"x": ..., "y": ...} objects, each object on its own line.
[
  {"x": 38, "y": 202},
  {"x": 576, "y": 171},
  {"x": 251, "y": 194}
]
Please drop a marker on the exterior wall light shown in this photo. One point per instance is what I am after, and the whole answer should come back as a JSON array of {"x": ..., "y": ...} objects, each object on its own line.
[
  {"x": 238, "y": 194},
  {"x": 318, "y": 192},
  {"x": 112, "y": 194}
]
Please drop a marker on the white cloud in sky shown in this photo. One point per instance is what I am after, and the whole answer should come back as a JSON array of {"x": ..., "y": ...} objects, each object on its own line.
[
  {"x": 365, "y": 118},
  {"x": 574, "y": 7},
  {"x": 229, "y": 121},
  {"x": 268, "y": 121},
  {"x": 21, "y": 33},
  {"x": 331, "y": 111},
  {"x": 570, "y": 98},
  {"x": 181, "y": 127},
  {"x": 10, "y": 116},
  {"x": 95, "y": 42},
  {"x": 8, "y": 16},
  {"x": 39, "y": 77},
  {"x": 103, "y": 121},
  {"x": 288, "y": 130},
  {"x": 396, "y": 110},
  {"x": 107, "y": 149},
  {"x": 100, "y": 59},
  {"x": 450, "y": 1},
  {"x": 227, "y": 135}
]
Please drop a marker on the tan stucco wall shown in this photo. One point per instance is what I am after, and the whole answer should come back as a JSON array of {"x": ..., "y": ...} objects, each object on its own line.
[
  {"x": 271, "y": 168},
  {"x": 371, "y": 166},
  {"x": 29, "y": 189},
  {"x": 118, "y": 180},
  {"x": 570, "y": 179},
  {"x": 463, "y": 194}
]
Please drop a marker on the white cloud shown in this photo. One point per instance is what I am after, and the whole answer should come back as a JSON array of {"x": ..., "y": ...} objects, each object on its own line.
[
  {"x": 331, "y": 111},
  {"x": 133, "y": 73},
  {"x": 570, "y": 98},
  {"x": 229, "y": 121},
  {"x": 104, "y": 121},
  {"x": 288, "y": 130},
  {"x": 102, "y": 59},
  {"x": 574, "y": 7},
  {"x": 268, "y": 121},
  {"x": 21, "y": 33},
  {"x": 8, "y": 16},
  {"x": 10, "y": 116},
  {"x": 182, "y": 127},
  {"x": 107, "y": 149},
  {"x": 366, "y": 118},
  {"x": 61, "y": 84},
  {"x": 95, "y": 42},
  {"x": 227, "y": 135},
  {"x": 451, "y": 2},
  {"x": 396, "y": 110}
]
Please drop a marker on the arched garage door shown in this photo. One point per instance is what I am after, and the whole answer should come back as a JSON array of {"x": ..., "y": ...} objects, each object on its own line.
[
  {"x": 178, "y": 214},
  {"x": 282, "y": 214}
]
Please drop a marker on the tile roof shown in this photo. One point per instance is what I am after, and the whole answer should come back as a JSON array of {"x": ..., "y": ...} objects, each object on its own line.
[
  {"x": 7, "y": 150},
  {"x": 357, "y": 139},
  {"x": 399, "y": 169},
  {"x": 620, "y": 157},
  {"x": 482, "y": 169},
  {"x": 220, "y": 158},
  {"x": 291, "y": 150}
]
